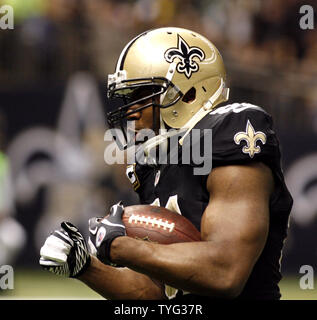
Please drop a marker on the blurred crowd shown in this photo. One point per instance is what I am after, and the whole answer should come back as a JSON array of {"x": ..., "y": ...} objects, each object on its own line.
[
  {"x": 54, "y": 38},
  {"x": 270, "y": 61}
]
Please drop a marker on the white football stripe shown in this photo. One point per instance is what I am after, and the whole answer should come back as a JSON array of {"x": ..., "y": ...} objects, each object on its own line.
[{"x": 135, "y": 218}]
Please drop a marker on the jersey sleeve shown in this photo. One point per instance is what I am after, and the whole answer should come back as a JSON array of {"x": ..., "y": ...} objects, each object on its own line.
[{"x": 245, "y": 136}]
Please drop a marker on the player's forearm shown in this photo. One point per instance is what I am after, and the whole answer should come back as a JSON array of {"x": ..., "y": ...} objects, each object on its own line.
[
  {"x": 197, "y": 267},
  {"x": 119, "y": 283}
]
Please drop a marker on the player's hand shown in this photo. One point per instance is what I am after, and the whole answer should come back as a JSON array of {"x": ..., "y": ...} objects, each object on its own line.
[
  {"x": 65, "y": 252},
  {"x": 102, "y": 231}
]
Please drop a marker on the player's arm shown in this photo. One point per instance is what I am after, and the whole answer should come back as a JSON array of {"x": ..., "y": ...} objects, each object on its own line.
[
  {"x": 65, "y": 253},
  {"x": 234, "y": 230},
  {"x": 120, "y": 283}
]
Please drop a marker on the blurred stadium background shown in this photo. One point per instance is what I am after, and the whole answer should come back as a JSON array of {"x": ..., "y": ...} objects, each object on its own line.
[{"x": 53, "y": 68}]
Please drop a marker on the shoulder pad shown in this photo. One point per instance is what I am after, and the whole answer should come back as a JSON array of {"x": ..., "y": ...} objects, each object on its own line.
[
  {"x": 243, "y": 132},
  {"x": 236, "y": 108}
]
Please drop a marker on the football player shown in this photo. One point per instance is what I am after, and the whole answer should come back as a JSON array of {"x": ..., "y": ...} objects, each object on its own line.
[{"x": 172, "y": 78}]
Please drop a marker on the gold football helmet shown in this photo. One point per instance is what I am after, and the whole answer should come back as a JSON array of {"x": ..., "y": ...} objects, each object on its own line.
[{"x": 177, "y": 70}]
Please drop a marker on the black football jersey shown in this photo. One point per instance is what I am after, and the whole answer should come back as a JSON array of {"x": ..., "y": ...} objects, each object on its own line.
[{"x": 241, "y": 133}]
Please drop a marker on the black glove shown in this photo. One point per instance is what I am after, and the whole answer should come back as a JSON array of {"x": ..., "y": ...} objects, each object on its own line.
[
  {"x": 104, "y": 230},
  {"x": 65, "y": 252}
]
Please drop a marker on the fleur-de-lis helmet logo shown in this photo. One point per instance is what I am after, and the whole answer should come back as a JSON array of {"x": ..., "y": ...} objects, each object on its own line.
[{"x": 186, "y": 54}]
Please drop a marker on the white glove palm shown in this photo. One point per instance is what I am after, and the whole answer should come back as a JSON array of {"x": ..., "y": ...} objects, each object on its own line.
[{"x": 65, "y": 252}]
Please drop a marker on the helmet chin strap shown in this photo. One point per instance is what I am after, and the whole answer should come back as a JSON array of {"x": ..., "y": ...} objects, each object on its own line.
[{"x": 159, "y": 140}]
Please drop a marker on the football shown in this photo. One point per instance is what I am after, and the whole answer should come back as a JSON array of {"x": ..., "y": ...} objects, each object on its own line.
[{"x": 158, "y": 224}]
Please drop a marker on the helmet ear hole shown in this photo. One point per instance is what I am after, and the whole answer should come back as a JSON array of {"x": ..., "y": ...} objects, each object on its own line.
[{"x": 190, "y": 95}]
